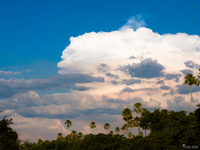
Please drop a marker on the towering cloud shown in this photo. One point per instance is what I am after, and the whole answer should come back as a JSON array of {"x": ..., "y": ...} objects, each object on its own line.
[{"x": 90, "y": 51}]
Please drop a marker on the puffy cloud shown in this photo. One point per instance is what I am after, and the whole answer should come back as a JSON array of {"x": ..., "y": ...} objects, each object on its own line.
[
  {"x": 86, "y": 52},
  {"x": 127, "y": 89},
  {"x": 190, "y": 64},
  {"x": 164, "y": 87},
  {"x": 169, "y": 93},
  {"x": 148, "y": 68},
  {"x": 103, "y": 68},
  {"x": 160, "y": 82},
  {"x": 169, "y": 76},
  {"x": 112, "y": 75}
]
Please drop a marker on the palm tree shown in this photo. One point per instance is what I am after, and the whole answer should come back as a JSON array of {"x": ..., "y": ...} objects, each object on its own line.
[
  {"x": 117, "y": 130},
  {"x": 123, "y": 130},
  {"x": 92, "y": 125},
  {"x": 80, "y": 135},
  {"x": 106, "y": 126},
  {"x": 127, "y": 115},
  {"x": 111, "y": 132},
  {"x": 137, "y": 108},
  {"x": 74, "y": 133},
  {"x": 191, "y": 80},
  {"x": 60, "y": 136},
  {"x": 68, "y": 123},
  {"x": 125, "y": 127}
]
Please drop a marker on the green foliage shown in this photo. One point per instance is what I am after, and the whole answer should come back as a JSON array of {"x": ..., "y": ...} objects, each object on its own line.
[
  {"x": 117, "y": 130},
  {"x": 106, "y": 126},
  {"x": 68, "y": 123},
  {"x": 92, "y": 125},
  {"x": 127, "y": 114},
  {"x": 8, "y": 137}
]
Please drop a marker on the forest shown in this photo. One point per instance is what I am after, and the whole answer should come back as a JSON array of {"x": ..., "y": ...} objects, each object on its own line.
[{"x": 169, "y": 130}]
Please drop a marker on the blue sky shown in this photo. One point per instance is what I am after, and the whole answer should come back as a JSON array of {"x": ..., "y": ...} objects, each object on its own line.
[{"x": 107, "y": 48}]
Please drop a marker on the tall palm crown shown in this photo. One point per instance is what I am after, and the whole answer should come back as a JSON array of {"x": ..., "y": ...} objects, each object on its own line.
[
  {"x": 92, "y": 125},
  {"x": 68, "y": 122},
  {"x": 106, "y": 126},
  {"x": 60, "y": 136},
  {"x": 191, "y": 80},
  {"x": 80, "y": 135},
  {"x": 137, "y": 107},
  {"x": 117, "y": 130},
  {"x": 74, "y": 133},
  {"x": 123, "y": 129},
  {"x": 127, "y": 114}
]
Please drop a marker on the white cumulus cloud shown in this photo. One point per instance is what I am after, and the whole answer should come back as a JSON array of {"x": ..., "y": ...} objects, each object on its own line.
[{"x": 86, "y": 52}]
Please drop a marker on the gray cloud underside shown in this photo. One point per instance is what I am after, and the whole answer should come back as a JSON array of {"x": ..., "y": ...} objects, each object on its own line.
[
  {"x": 169, "y": 76},
  {"x": 127, "y": 89},
  {"x": 147, "y": 68},
  {"x": 190, "y": 64},
  {"x": 9, "y": 88},
  {"x": 169, "y": 93},
  {"x": 130, "y": 81},
  {"x": 186, "y": 71},
  {"x": 164, "y": 87},
  {"x": 178, "y": 103},
  {"x": 103, "y": 68},
  {"x": 112, "y": 75},
  {"x": 160, "y": 82},
  {"x": 185, "y": 89},
  {"x": 31, "y": 113},
  {"x": 97, "y": 111}
]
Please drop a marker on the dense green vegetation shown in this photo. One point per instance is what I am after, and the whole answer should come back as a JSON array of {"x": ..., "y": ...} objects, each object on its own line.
[
  {"x": 8, "y": 137},
  {"x": 169, "y": 130}
]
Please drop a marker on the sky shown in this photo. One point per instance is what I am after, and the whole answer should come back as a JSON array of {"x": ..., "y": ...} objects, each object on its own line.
[{"x": 87, "y": 60}]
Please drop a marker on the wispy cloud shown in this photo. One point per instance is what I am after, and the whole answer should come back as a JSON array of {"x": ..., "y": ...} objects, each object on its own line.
[
  {"x": 134, "y": 22},
  {"x": 9, "y": 72}
]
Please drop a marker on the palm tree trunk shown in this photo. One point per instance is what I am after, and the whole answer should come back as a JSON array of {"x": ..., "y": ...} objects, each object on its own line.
[
  {"x": 68, "y": 134},
  {"x": 127, "y": 129},
  {"x": 191, "y": 96},
  {"x": 138, "y": 130},
  {"x": 145, "y": 132}
]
